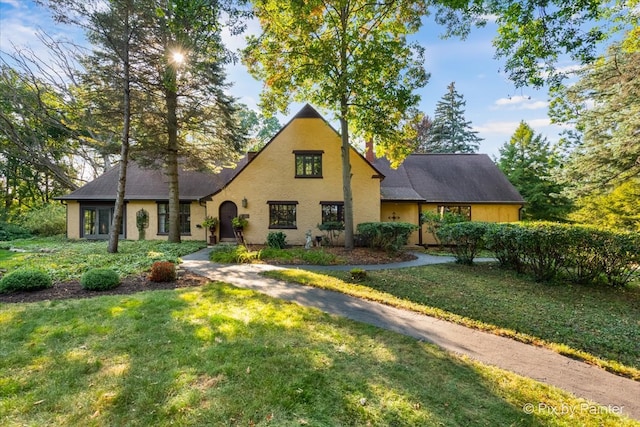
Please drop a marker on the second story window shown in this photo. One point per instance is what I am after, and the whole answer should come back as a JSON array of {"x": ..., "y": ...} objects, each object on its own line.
[{"x": 308, "y": 164}]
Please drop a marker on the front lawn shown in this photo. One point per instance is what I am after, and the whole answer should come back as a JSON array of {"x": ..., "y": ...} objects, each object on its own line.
[
  {"x": 597, "y": 324},
  {"x": 67, "y": 259},
  {"x": 219, "y": 355}
]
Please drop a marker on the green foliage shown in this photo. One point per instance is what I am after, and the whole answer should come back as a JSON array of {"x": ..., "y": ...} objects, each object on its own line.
[
  {"x": 9, "y": 231},
  {"x": 358, "y": 274},
  {"x": 276, "y": 240},
  {"x": 332, "y": 230},
  {"x": 48, "y": 220},
  {"x": 26, "y": 279},
  {"x": 532, "y": 166},
  {"x": 163, "y": 271},
  {"x": 236, "y": 254},
  {"x": 450, "y": 132},
  {"x": 239, "y": 222},
  {"x": 616, "y": 210},
  {"x": 433, "y": 221},
  {"x": 100, "y": 279},
  {"x": 574, "y": 253},
  {"x": 465, "y": 238},
  {"x": 603, "y": 109},
  {"x": 388, "y": 236}
]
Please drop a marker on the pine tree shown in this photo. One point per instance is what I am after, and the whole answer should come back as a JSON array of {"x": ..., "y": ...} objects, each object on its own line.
[
  {"x": 450, "y": 132},
  {"x": 530, "y": 164}
]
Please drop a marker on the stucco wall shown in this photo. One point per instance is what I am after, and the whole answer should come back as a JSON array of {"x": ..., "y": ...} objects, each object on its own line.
[
  {"x": 401, "y": 212},
  {"x": 479, "y": 212},
  {"x": 270, "y": 176},
  {"x": 131, "y": 231}
]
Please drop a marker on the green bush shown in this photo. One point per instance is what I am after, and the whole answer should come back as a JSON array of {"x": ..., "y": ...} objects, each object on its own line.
[
  {"x": 25, "y": 280},
  {"x": 502, "y": 240},
  {"x": 99, "y": 279},
  {"x": 276, "y": 240},
  {"x": 233, "y": 254},
  {"x": 388, "y": 236},
  {"x": 465, "y": 238},
  {"x": 433, "y": 221},
  {"x": 49, "y": 220},
  {"x": 10, "y": 231}
]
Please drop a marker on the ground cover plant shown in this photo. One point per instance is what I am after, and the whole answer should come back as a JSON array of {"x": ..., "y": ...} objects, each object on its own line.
[
  {"x": 65, "y": 259},
  {"x": 599, "y": 325},
  {"x": 219, "y": 355}
]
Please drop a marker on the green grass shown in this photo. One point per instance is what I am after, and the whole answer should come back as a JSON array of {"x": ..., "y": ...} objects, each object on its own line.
[
  {"x": 596, "y": 324},
  {"x": 67, "y": 259},
  {"x": 218, "y": 355}
]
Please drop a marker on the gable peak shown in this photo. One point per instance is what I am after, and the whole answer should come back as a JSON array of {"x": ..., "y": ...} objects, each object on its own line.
[{"x": 308, "y": 112}]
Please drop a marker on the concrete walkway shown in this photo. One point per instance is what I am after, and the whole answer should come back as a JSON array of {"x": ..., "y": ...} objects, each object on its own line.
[{"x": 620, "y": 395}]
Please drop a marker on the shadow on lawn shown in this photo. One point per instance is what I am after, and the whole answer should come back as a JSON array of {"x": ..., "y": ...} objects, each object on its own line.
[{"x": 219, "y": 355}]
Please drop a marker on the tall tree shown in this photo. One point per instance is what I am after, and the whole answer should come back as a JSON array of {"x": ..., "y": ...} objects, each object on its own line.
[
  {"x": 423, "y": 131},
  {"x": 603, "y": 108},
  {"x": 259, "y": 127},
  {"x": 450, "y": 132},
  {"x": 350, "y": 57},
  {"x": 531, "y": 165},
  {"x": 617, "y": 210}
]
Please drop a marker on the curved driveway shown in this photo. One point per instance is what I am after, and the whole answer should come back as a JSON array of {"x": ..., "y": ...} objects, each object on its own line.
[{"x": 620, "y": 394}]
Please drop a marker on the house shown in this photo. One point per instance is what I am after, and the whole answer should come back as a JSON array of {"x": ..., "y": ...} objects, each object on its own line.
[{"x": 293, "y": 184}]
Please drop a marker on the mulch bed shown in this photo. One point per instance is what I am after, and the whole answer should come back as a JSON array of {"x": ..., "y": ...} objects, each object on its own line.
[{"x": 134, "y": 284}]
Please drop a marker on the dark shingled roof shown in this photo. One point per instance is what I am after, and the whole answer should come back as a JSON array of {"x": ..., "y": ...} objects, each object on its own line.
[
  {"x": 152, "y": 184},
  {"x": 447, "y": 178}
]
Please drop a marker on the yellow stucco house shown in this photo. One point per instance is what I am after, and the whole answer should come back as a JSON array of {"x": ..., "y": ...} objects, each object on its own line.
[{"x": 293, "y": 184}]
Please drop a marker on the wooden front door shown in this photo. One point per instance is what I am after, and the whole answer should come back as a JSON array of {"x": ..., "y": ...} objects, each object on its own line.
[{"x": 228, "y": 210}]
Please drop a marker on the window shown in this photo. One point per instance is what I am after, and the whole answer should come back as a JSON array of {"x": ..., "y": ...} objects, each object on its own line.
[
  {"x": 96, "y": 221},
  {"x": 464, "y": 211},
  {"x": 308, "y": 164},
  {"x": 332, "y": 212},
  {"x": 282, "y": 214},
  {"x": 163, "y": 218}
]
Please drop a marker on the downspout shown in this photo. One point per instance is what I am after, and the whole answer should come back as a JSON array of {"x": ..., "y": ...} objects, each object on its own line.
[{"x": 419, "y": 224}]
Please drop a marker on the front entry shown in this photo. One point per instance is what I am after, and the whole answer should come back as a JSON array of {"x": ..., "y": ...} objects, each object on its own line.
[{"x": 228, "y": 211}]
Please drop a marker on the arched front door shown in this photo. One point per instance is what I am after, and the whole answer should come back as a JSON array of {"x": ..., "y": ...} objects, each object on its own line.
[{"x": 228, "y": 210}]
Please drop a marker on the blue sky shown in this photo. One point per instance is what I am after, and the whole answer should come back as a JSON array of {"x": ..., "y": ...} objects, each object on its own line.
[{"x": 494, "y": 106}]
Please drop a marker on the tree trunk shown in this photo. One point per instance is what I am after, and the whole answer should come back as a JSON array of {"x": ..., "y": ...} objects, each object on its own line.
[
  {"x": 171, "y": 98},
  {"x": 114, "y": 232},
  {"x": 346, "y": 185}
]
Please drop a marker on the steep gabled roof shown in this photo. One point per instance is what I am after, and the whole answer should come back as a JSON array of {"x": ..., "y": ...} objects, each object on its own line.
[
  {"x": 151, "y": 184},
  {"x": 447, "y": 178}
]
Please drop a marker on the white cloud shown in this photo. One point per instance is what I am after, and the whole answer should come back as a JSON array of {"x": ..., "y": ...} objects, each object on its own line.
[
  {"x": 519, "y": 102},
  {"x": 12, "y": 3}
]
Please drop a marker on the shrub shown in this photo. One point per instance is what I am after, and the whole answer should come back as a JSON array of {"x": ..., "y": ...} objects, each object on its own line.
[
  {"x": 466, "y": 239},
  {"x": 332, "y": 230},
  {"x": 163, "y": 271},
  {"x": 99, "y": 279},
  {"x": 544, "y": 248},
  {"x": 233, "y": 254},
  {"x": 502, "y": 240},
  {"x": 25, "y": 280},
  {"x": 433, "y": 221},
  {"x": 388, "y": 236},
  {"x": 358, "y": 274},
  {"x": 10, "y": 231},
  {"x": 49, "y": 220},
  {"x": 276, "y": 240}
]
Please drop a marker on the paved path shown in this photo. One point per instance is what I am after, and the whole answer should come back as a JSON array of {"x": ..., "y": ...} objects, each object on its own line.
[{"x": 621, "y": 395}]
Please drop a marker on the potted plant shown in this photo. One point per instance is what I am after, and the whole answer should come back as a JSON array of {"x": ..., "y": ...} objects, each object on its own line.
[
  {"x": 211, "y": 222},
  {"x": 239, "y": 222}
]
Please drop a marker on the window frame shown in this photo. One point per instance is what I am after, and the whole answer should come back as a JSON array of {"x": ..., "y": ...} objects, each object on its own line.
[
  {"x": 308, "y": 159},
  {"x": 339, "y": 212},
  {"x": 275, "y": 209},
  {"x": 163, "y": 218},
  {"x": 455, "y": 209},
  {"x": 97, "y": 209}
]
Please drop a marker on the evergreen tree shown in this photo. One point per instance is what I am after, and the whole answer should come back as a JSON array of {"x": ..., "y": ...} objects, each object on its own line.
[
  {"x": 530, "y": 164},
  {"x": 423, "y": 131},
  {"x": 450, "y": 132}
]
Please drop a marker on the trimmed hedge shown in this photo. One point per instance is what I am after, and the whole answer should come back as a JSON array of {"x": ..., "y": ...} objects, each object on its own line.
[
  {"x": 25, "y": 280},
  {"x": 100, "y": 279},
  {"x": 465, "y": 238},
  {"x": 547, "y": 251},
  {"x": 389, "y": 236}
]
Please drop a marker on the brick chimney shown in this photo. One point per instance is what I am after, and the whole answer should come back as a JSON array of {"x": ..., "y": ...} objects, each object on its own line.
[{"x": 368, "y": 153}]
